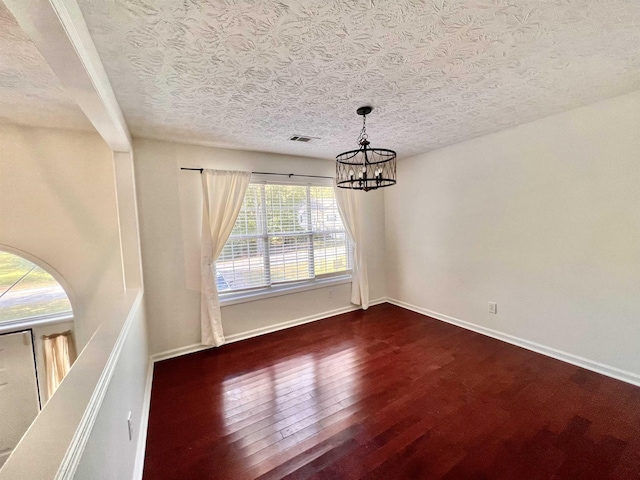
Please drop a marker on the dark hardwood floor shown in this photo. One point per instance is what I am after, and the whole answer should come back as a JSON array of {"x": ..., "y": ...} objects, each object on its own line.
[{"x": 388, "y": 394}]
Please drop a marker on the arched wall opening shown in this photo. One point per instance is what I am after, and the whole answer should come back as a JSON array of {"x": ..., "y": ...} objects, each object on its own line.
[{"x": 37, "y": 344}]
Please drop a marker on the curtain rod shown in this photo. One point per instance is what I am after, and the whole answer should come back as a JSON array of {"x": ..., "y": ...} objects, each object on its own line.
[{"x": 266, "y": 173}]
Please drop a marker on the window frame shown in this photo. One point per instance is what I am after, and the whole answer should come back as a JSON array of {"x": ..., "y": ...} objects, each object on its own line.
[
  {"x": 11, "y": 325},
  {"x": 8, "y": 326},
  {"x": 292, "y": 286}
]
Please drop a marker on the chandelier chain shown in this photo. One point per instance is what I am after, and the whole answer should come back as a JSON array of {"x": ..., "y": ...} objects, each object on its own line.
[{"x": 363, "y": 133}]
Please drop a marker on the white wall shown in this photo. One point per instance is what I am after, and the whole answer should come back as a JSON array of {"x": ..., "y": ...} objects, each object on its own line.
[
  {"x": 109, "y": 454},
  {"x": 169, "y": 202},
  {"x": 78, "y": 411},
  {"x": 543, "y": 219},
  {"x": 58, "y": 203}
]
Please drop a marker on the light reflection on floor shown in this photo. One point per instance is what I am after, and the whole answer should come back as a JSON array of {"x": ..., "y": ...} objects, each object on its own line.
[{"x": 288, "y": 399}]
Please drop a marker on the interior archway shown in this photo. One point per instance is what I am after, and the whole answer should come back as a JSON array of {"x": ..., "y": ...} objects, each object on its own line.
[{"x": 37, "y": 345}]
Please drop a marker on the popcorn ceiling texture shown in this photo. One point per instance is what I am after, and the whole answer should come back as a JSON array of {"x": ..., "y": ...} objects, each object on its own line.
[
  {"x": 30, "y": 93},
  {"x": 250, "y": 73}
]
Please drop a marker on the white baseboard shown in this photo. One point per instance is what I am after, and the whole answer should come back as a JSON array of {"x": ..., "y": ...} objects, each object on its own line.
[
  {"x": 299, "y": 321},
  {"x": 594, "y": 366},
  {"x": 141, "y": 447},
  {"x": 178, "y": 352},
  {"x": 236, "y": 337}
]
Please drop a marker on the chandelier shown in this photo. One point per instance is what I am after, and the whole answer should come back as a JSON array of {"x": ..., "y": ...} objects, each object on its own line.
[{"x": 366, "y": 168}]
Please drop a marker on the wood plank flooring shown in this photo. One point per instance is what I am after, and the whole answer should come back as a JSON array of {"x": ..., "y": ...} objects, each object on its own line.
[{"x": 387, "y": 394}]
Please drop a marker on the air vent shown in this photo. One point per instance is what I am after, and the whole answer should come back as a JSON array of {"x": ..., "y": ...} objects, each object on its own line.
[{"x": 302, "y": 138}]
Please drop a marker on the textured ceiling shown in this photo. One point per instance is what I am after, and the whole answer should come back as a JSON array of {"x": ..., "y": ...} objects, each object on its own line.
[
  {"x": 30, "y": 93},
  {"x": 250, "y": 73}
]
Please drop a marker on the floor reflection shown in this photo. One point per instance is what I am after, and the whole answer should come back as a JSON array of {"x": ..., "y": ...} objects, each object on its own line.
[{"x": 291, "y": 400}]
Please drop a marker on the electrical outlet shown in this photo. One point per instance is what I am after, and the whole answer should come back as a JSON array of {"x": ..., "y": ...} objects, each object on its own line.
[
  {"x": 129, "y": 427},
  {"x": 493, "y": 307}
]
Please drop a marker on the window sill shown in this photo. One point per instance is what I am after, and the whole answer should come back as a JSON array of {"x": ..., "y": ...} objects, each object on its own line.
[
  {"x": 227, "y": 299},
  {"x": 25, "y": 323}
]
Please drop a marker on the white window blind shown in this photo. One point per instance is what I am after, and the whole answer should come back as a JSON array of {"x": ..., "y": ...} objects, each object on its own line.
[{"x": 284, "y": 234}]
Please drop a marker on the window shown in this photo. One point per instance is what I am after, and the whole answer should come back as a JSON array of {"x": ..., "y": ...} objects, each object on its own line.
[
  {"x": 28, "y": 291},
  {"x": 284, "y": 234}
]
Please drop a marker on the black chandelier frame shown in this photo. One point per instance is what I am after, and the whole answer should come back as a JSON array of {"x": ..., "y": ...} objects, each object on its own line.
[{"x": 366, "y": 168}]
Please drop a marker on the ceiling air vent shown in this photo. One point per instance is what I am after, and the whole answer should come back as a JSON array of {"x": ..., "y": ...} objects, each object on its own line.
[{"x": 302, "y": 138}]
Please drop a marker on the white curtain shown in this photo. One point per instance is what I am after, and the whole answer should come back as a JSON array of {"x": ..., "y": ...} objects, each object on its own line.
[
  {"x": 349, "y": 207},
  {"x": 59, "y": 355},
  {"x": 222, "y": 193}
]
